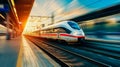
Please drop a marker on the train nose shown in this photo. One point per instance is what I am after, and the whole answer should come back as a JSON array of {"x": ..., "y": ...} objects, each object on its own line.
[{"x": 77, "y": 33}]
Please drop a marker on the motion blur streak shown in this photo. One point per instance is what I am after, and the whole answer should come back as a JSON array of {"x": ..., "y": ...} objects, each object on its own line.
[{"x": 29, "y": 58}]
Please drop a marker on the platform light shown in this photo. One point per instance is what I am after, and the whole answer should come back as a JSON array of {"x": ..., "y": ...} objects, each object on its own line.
[
  {"x": 15, "y": 13},
  {"x": 2, "y": 16},
  {"x": 12, "y": 1},
  {"x": 14, "y": 8}
]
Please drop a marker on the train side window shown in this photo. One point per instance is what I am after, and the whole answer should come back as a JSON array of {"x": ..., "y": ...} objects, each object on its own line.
[
  {"x": 50, "y": 30},
  {"x": 47, "y": 31},
  {"x": 44, "y": 31},
  {"x": 66, "y": 30},
  {"x": 55, "y": 30},
  {"x": 41, "y": 32},
  {"x": 60, "y": 30}
]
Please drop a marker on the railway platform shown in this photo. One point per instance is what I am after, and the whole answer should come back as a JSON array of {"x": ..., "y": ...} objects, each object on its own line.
[{"x": 20, "y": 52}]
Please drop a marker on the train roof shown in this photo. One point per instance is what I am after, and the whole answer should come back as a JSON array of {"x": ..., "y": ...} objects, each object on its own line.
[{"x": 59, "y": 24}]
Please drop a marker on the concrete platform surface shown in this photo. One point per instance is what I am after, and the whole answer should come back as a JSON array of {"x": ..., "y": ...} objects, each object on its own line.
[
  {"x": 9, "y": 50},
  {"x": 20, "y": 52}
]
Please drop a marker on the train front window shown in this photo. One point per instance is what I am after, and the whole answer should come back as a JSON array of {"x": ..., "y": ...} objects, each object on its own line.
[{"x": 74, "y": 25}]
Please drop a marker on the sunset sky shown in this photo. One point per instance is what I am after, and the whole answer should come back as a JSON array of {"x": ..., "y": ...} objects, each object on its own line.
[
  {"x": 46, "y": 7},
  {"x": 65, "y": 9}
]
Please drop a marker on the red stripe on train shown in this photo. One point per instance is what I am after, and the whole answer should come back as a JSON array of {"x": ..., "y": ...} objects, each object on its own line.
[
  {"x": 63, "y": 34},
  {"x": 72, "y": 36},
  {"x": 53, "y": 34}
]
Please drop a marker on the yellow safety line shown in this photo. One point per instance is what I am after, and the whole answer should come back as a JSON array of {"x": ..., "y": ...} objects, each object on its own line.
[{"x": 19, "y": 61}]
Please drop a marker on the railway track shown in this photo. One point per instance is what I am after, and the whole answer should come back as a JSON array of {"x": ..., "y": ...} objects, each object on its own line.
[
  {"x": 110, "y": 58},
  {"x": 67, "y": 57},
  {"x": 109, "y": 50}
]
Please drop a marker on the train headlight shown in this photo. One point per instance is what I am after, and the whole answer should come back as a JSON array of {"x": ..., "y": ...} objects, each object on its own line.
[{"x": 75, "y": 33}]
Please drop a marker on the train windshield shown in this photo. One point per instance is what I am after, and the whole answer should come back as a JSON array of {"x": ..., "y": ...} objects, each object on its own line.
[{"x": 74, "y": 25}]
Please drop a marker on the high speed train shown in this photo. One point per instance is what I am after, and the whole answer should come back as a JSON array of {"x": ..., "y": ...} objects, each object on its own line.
[{"x": 68, "y": 31}]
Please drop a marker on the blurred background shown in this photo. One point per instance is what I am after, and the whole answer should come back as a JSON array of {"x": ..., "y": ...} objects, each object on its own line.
[
  {"x": 85, "y": 12},
  {"x": 98, "y": 18},
  {"x": 103, "y": 28}
]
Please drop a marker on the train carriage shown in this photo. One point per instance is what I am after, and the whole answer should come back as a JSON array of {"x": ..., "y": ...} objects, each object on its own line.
[{"x": 68, "y": 31}]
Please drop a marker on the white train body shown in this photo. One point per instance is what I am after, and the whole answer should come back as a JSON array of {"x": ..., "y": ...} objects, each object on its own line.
[{"x": 68, "y": 31}]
